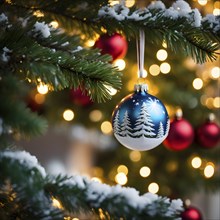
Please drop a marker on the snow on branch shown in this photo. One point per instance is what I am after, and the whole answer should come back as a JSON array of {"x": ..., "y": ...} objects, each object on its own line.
[
  {"x": 157, "y": 10},
  {"x": 116, "y": 200}
]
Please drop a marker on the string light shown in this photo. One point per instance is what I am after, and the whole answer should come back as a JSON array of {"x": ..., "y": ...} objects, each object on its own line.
[
  {"x": 162, "y": 55},
  {"x": 197, "y": 83},
  {"x": 145, "y": 171},
  {"x": 209, "y": 170},
  {"x": 215, "y": 72},
  {"x": 196, "y": 162},
  {"x": 42, "y": 89},
  {"x": 153, "y": 188},
  {"x": 165, "y": 68},
  {"x": 120, "y": 63},
  {"x": 122, "y": 169},
  {"x": 56, "y": 203},
  {"x": 95, "y": 115},
  {"x": 154, "y": 70},
  {"x": 68, "y": 115},
  {"x": 106, "y": 127},
  {"x": 202, "y": 2},
  {"x": 121, "y": 178},
  {"x": 216, "y": 102},
  {"x": 135, "y": 156}
]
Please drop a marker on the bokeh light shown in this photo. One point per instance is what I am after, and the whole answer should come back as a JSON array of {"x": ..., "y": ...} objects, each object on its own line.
[
  {"x": 122, "y": 169},
  {"x": 202, "y": 2},
  {"x": 106, "y": 127},
  {"x": 197, "y": 83},
  {"x": 196, "y": 162},
  {"x": 145, "y": 171},
  {"x": 215, "y": 72},
  {"x": 154, "y": 70},
  {"x": 120, "y": 63},
  {"x": 68, "y": 115},
  {"x": 42, "y": 89},
  {"x": 209, "y": 170},
  {"x": 162, "y": 55},
  {"x": 95, "y": 115},
  {"x": 216, "y": 102},
  {"x": 165, "y": 68},
  {"x": 153, "y": 188},
  {"x": 121, "y": 178},
  {"x": 135, "y": 156}
]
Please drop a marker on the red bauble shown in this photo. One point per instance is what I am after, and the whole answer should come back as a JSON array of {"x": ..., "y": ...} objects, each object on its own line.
[
  {"x": 180, "y": 135},
  {"x": 191, "y": 213},
  {"x": 80, "y": 98},
  {"x": 115, "y": 45},
  {"x": 208, "y": 134}
]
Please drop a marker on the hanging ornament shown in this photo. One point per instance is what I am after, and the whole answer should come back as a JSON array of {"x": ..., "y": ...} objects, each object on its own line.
[
  {"x": 208, "y": 134},
  {"x": 140, "y": 121},
  {"x": 115, "y": 45},
  {"x": 181, "y": 133},
  {"x": 80, "y": 98},
  {"x": 191, "y": 213}
]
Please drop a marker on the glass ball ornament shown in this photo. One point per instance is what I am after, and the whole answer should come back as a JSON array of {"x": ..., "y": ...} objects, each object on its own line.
[
  {"x": 140, "y": 121},
  {"x": 191, "y": 213}
]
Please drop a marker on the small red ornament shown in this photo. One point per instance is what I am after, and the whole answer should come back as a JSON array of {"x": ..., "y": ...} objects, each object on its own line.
[
  {"x": 191, "y": 213},
  {"x": 208, "y": 134},
  {"x": 181, "y": 134},
  {"x": 80, "y": 98},
  {"x": 115, "y": 45}
]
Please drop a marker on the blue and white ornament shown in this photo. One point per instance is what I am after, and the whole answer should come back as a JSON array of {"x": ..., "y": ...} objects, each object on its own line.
[{"x": 140, "y": 121}]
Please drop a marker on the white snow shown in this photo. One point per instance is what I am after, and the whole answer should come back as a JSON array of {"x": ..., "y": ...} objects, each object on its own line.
[
  {"x": 77, "y": 49},
  {"x": 5, "y": 57},
  {"x": 26, "y": 159},
  {"x": 43, "y": 28},
  {"x": 156, "y": 5},
  {"x": 182, "y": 6},
  {"x": 76, "y": 181},
  {"x": 175, "y": 205},
  {"x": 3, "y": 17},
  {"x": 65, "y": 44},
  {"x": 142, "y": 143},
  {"x": 197, "y": 18}
]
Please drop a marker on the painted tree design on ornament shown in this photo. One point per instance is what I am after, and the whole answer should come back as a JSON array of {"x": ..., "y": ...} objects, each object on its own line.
[
  {"x": 116, "y": 124},
  {"x": 167, "y": 126},
  {"x": 126, "y": 126},
  {"x": 160, "y": 133},
  {"x": 144, "y": 125}
]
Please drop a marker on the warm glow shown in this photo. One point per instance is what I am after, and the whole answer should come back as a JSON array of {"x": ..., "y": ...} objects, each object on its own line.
[
  {"x": 165, "y": 68},
  {"x": 129, "y": 3},
  {"x": 56, "y": 203},
  {"x": 202, "y": 2},
  {"x": 120, "y": 63},
  {"x": 196, "y": 162},
  {"x": 90, "y": 43},
  {"x": 121, "y": 178},
  {"x": 154, "y": 70},
  {"x": 215, "y": 72},
  {"x": 153, "y": 188},
  {"x": 111, "y": 90},
  {"x": 68, "y": 115},
  {"x": 96, "y": 179},
  {"x": 135, "y": 156},
  {"x": 54, "y": 24},
  {"x": 209, "y": 170},
  {"x": 197, "y": 83},
  {"x": 216, "y": 102},
  {"x": 164, "y": 44},
  {"x": 95, "y": 115},
  {"x": 162, "y": 54},
  {"x": 217, "y": 4},
  {"x": 209, "y": 102},
  {"x": 106, "y": 127},
  {"x": 216, "y": 12},
  {"x": 42, "y": 89},
  {"x": 145, "y": 171},
  {"x": 113, "y": 2},
  {"x": 122, "y": 169},
  {"x": 38, "y": 14},
  {"x": 144, "y": 74},
  {"x": 39, "y": 98}
]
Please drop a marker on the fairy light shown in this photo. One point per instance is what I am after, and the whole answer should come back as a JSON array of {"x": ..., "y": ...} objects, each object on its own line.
[
  {"x": 215, "y": 72},
  {"x": 216, "y": 11},
  {"x": 154, "y": 70},
  {"x": 68, "y": 115},
  {"x": 96, "y": 179},
  {"x": 209, "y": 170},
  {"x": 90, "y": 43},
  {"x": 162, "y": 55},
  {"x": 145, "y": 171},
  {"x": 95, "y": 115},
  {"x": 56, "y": 203},
  {"x": 38, "y": 14},
  {"x": 113, "y": 2},
  {"x": 202, "y": 2},
  {"x": 153, "y": 188},
  {"x": 165, "y": 68},
  {"x": 106, "y": 127},
  {"x": 121, "y": 178},
  {"x": 120, "y": 63},
  {"x": 196, "y": 162},
  {"x": 216, "y": 102},
  {"x": 54, "y": 24},
  {"x": 122, "y": 169},
  {"x": 129, "y": 3},
  {"x": 135, "y": 156},
  {"x": 42, "y": 89},
  {"x": 197, "y": 83}
]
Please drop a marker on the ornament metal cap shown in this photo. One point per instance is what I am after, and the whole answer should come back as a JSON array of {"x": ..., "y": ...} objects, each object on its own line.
[{"x": 141, "y": 87}]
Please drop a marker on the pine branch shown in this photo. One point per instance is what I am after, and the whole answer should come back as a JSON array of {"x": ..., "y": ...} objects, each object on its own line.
[{"x": 74, "y": 193}]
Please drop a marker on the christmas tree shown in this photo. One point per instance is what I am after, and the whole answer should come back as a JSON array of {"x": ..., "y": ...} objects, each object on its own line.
[{"x": 45, "y": 43}]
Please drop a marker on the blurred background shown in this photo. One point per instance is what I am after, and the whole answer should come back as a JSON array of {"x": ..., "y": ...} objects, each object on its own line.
[{"x": 80, "y": 138}]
